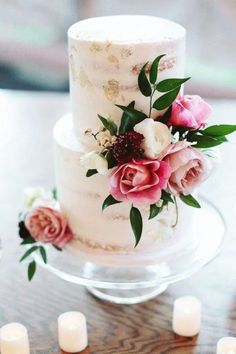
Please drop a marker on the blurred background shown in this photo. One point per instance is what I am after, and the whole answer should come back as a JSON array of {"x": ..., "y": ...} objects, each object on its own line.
[{"x": 33, "y": 42}]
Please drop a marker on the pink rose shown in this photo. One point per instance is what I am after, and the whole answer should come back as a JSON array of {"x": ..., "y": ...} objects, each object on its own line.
[
  {"x": 48, "y": 225},
  {"x": 190, "y": 111},
  {"x": 139, "y": 181},
  {"x": 189, "y": 168}
]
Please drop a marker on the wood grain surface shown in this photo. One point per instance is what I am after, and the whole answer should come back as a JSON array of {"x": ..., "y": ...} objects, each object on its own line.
[{"x": 26, "y": 121}]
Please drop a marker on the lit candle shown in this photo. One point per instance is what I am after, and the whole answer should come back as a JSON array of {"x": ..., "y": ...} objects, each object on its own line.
[
  {"x": 72, "y": 332},
  {"x": 14, "y": 339},
  {"x": 226, "y": 345},
  {"x": 187, "y": 316}
]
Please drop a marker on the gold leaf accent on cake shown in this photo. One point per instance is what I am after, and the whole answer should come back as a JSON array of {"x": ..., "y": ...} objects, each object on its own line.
[
  {"x": 119, "y": 217},
  {"x": 99, "y": 246},
  {"x": 73, "y": 70},
  {"x": 114, "y": 60},
  {"x": 136, "y": 68},
  {"x": 108, "y": 46},
  {"x": 167, "y": 64},
  {"x": 84, "y": 80},
  {"x": 164, "y": 65},
  {"x": 126, "y": 52},
  {"x": 94, "y": 195},
  {"x": 111, "y": 89},
  {"x": 96, "y": 47}
]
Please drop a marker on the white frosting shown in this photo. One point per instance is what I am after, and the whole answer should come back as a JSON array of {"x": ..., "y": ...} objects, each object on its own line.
[
  {"x": 107, "y": 237},
  {"x": 126, "y": 28},
  {"x": 105, "y": 57}
]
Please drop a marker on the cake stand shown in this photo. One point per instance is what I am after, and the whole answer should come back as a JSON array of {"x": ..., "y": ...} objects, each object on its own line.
[{"x": 130, "y": 285}]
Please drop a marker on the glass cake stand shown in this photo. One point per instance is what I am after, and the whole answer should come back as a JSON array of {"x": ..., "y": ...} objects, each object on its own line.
[{"x": 130, "y": 285}]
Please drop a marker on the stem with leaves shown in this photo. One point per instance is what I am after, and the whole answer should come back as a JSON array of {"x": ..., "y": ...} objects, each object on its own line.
[
  {"x": 151, "y": 97},
  {"x": 169, "y": 87},
  {"x": 33, "y": 247}
]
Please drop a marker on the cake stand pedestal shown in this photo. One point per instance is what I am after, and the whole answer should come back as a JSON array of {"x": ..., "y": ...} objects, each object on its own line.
[{"x": 130, "y": 285}]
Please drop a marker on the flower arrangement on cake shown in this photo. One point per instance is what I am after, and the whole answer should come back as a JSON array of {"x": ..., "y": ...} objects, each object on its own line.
[
  {"x": 154, "y": 161},
  {"x": 147, "y": 161}
]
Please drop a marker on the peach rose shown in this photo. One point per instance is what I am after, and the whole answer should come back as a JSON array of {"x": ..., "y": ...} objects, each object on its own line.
[
  {"x": 139, "y": 181},
  {"x": 189, "y": 168},
  {"x": 190, "y": 111},
  {"x": 48, "y": 225}
]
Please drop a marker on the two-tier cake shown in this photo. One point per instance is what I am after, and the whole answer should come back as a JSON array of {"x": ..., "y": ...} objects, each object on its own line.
[{"x": 106, "y": 55}]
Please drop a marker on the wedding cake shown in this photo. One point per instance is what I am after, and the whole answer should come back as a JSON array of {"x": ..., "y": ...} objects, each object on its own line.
[{"x": 106, "y": 55}]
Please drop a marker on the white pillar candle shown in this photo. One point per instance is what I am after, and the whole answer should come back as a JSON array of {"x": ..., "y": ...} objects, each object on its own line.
[
  {"x": 226, "y": 345},
  {"x": 14, "y": 339},
  {"x": 72, "y": 332},
  {"x": 187, "y": 316}
]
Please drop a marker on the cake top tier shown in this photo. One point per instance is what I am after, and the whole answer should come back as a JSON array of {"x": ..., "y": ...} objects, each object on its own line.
[
  {"x": 106, "y": 55},
  {"x": 124, "y": 29}
]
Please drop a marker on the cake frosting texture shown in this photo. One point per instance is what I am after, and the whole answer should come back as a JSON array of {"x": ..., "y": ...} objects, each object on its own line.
[{"x": 105, "y": 57}]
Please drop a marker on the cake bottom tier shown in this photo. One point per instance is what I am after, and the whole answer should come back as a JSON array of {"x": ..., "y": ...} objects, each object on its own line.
[{"x": 106, "y": 237}]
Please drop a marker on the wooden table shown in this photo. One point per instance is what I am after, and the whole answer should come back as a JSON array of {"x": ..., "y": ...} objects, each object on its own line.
[{"x": 26, "y": 121}]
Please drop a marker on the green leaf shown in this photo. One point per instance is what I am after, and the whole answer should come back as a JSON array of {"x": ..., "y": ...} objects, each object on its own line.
[
  {"x": 125, "y": 119},
  {"x": 109, "y": 125},
  {"x": 154, "y": 211},
  {"x": 154, "y": 69},
  {"x": 43, "y": 254},
  {"x": 219, "y": 130},
  {"x": 166, "y": 100},
  {"x": 28, "y": 240},
  {"x": 31, "y": 270},
  {"x": 109, "y": 201},
  {"x": 143, "y": 83},
  {"x": 166, "y": 197},
  {"x": 136, "y": 224},
  {"x": 110, "y": 159},
  {"x": 133, "y": 117},
  {"x": 91, "y": 173},
  {"x": 57, "y": 248},
  {"x": 54, "y": 193},
  {"x": 170, "y": 84},
  {"x": 29, "y": 252},
  {"x": 204, "y": 141},
  {"x": 166, "y": 116},
  {"x": 23, "y": 231},
  {"x": 189, "y": 200}
]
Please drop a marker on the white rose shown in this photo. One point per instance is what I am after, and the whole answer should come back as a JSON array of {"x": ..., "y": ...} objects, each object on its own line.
[
  {"x": 94, "y": 161},
  {"x": 48, "y": 201},
  {"x": 157, "y": 137},
  {"x": 31, "y": 194}
]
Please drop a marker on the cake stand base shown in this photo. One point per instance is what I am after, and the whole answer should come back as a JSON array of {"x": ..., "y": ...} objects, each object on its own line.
[
  {"x": 127, "y": 297},
  {"x": 130, "y": 285}
]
